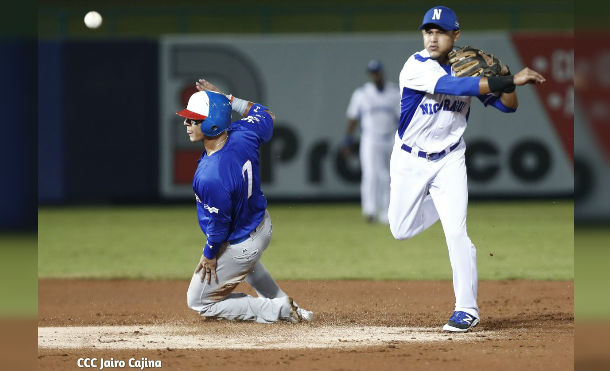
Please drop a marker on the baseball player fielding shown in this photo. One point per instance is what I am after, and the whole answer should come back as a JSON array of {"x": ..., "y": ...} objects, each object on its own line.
[{"x": 427, "y": 167}]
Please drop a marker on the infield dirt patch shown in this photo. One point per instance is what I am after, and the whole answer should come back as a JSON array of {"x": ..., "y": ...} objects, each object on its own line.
[{"x": 360, "y": 325}]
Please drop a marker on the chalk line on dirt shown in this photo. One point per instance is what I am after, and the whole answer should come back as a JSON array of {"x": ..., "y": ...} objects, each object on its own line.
[{"x": 260, "y": 337}]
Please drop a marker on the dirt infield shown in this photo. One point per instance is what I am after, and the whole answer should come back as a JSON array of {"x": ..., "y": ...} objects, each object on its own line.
[{"x": 360, "y": 325}]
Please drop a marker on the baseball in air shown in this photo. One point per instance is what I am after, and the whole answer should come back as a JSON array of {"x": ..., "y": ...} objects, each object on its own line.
[{"x": 93, "y": 19}]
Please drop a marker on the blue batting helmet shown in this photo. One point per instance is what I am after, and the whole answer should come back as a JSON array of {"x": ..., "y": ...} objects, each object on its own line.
[{"x": 213, "y": 108}]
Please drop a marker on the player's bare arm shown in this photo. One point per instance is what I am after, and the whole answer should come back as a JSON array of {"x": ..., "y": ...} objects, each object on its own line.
[
  {"x": 203, "y": 84},
  {"x": 523, "y": 77},
  {"x": 346, "y": 150},
  {"x": 510, "y": 99},
  {"x": 528, "y": 76},
  {"x": 351, "y": 127}
]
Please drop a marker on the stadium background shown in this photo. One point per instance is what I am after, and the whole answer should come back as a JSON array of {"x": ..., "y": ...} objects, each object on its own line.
[
  {"x": 102, "y": 149},
  {"x": 107, "y": 99},
  {"x": 118, "y": 72}
]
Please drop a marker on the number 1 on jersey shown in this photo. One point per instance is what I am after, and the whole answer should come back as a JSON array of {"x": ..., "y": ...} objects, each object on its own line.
[{"x": 247, "y": 170}]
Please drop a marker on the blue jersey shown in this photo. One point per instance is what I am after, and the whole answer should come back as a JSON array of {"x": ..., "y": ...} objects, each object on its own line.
[{"x": 230, "y": 203}]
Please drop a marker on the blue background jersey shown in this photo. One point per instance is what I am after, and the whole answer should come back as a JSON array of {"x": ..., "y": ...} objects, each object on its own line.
[{"x": 230, "y": 203}]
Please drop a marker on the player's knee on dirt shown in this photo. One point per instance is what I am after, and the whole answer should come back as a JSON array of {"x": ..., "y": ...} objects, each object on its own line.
[
  {"x": 195, "y": 296},
  {"x": 193, "y": 301},
  {"x": 196, "y": 303}
]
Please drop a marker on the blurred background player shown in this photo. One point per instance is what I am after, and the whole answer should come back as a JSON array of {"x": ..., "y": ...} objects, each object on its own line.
[
  {"x": 428, "y": 167},
  {"x": 376, "y": 105},
  {"x": 232, "y": 211}
]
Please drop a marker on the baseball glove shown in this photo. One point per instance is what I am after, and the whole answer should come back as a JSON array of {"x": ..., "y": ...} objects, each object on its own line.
[{"x": 470, "y": 61}]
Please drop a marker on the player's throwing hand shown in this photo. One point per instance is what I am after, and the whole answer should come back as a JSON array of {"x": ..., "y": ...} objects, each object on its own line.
[
  {"x": 204, "y": 84},
  {"x": 528, "y": 76}
]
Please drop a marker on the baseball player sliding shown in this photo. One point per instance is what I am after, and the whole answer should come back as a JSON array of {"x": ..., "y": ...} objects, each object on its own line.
[
  {"x": 427, "y": 168},
  {"x": 232, "y": 211},
  {"x": 374, "y": 105}
]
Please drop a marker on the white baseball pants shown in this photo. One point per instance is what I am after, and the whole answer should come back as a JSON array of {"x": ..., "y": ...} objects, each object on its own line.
[
  {"x": 375, "y": 155},
  {"x": 412, "y": 210},
  {"x": 236, "y": 263}
]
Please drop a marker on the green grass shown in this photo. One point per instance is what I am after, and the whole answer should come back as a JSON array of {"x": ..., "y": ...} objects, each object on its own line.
[
  {"x": 18, "y": 281},
  {"x": 532, "y": 240},
  {"x": 592, "y": 273}
]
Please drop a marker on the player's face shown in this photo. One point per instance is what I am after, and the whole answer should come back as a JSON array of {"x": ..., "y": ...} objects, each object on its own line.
[
  {"x": 376, "y": 77},
  {"x": 439, "y": 42},
  {"x": 193, "y": 129}
]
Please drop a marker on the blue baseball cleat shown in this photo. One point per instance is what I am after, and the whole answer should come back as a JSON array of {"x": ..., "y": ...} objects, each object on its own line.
[{"x": 461, "y": 322}]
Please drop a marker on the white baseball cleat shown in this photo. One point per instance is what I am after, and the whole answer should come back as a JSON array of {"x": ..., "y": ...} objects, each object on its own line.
[
  {"x": 305, "y": 315},
  {"x": 298, "y": 314}
]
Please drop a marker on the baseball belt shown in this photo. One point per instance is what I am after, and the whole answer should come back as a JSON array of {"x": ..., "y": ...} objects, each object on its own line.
[
  {"x": 431, "y": 156},
  {"x": 251, "y": 234}
]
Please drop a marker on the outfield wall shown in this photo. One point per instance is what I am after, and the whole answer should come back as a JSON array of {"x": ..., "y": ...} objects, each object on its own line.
[
  {"x": 308, "y": 80},
  {"x": 17, "y": 138},
  {"x": 109, "y": 132}
]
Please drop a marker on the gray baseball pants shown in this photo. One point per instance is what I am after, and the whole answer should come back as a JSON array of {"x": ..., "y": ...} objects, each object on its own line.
[{"x": 236, "y": 263}]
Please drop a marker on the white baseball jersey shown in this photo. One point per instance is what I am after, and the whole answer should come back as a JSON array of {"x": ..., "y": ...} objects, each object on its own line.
[
  {"x": 425, "y": 190},
  {"x": 378, "y": 111},
  {"x": 429, "y": 122}
]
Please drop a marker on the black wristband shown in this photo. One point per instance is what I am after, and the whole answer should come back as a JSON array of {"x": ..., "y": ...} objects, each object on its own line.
[
  {"x": 501, "y": 83},
  {"x": 510, "y": 89}
]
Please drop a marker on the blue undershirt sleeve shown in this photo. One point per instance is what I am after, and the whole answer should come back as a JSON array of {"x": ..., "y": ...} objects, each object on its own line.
[
  {"x": 210, "y": 249},
  {"x": 492, "y": 100},
  {"x": 452, "y": 85}
]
